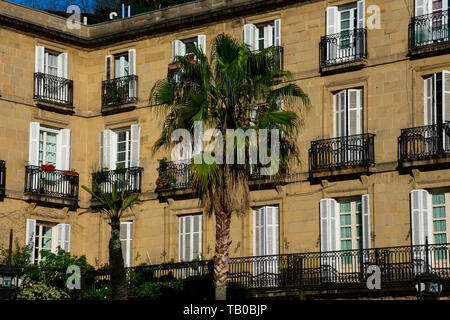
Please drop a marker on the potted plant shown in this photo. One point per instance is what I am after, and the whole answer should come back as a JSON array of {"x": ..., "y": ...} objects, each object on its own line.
[
  {"x": 120, "y": 168},
  {"x": 70, "y": 172},
  {"x": 47, "y": 167}
]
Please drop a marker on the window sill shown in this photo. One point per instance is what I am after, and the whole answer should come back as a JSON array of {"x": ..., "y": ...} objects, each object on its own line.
[
  {"x": 117, "y": 108},
  {"x": 34, "y": 196},
  {"x": 342, "y": 171},
  {"x": 343, "y": 66},
  {"x": 54, "y": 106},
  {"x": 439, "y": 159},
  {"x": 432, "y": 49}
]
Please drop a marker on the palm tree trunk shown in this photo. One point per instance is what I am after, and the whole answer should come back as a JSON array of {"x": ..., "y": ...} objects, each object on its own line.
[
  {"x": 222, "y": 259},
  {"x": 119, "y": 290}
]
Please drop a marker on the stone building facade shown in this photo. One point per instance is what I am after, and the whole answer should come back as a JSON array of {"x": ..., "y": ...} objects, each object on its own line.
[{"x": 371, "y": 69}]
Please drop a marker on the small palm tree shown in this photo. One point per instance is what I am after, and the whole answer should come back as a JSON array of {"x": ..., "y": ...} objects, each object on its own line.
[
  {"x": 236, "y": 89},
  {"x": 114, "y": 205}
]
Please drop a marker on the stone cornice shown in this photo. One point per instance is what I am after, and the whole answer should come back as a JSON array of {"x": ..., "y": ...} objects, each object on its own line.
[{"x": 148, "y": 24}]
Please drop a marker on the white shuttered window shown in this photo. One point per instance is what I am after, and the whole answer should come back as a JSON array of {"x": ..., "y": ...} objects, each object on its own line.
[
  {"x": 126, "y": 242},
  {"x": 190, "y": 237}
]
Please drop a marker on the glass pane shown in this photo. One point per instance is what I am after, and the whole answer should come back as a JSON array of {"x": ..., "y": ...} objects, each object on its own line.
[
  {"x": 358, "y": 206},
  {"x": 346, "y": 219},
  {"x": 46, "y": 243},
  {"x": 345, "y": 206},
  {"x": 439, "y": 226},
  {"x": 345, "y": 15},
  {"x": 440, "y": 238},
  {"x": 438, "y": 198},
  {"x": 47, "y": 231},
  {"x": 358, "y": 218},
  {"x": 346, "y": 232},
  {"x": 346, "y": 244},
  {"x": 438, "y": 212}
]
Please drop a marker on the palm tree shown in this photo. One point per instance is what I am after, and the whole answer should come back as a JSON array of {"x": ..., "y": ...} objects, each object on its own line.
[
  {"x": 114, "y": 205},
  {"x": 235, "y": 89}
]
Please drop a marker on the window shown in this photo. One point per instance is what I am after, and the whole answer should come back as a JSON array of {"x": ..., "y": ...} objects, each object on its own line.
[
  {"x": 49, "y": 146},
  {"x": 51, "y": 62},
  {"x": 126, "y": 241},
  {"x": 123, "y": 147},
  {"x": 120, "y": 147},
  {"x": 350, "y": 227},
  {"x": 190, "y": 237},
  {"x": 348, "y": 112},
  {"x": 263, "y": 35},
  {"x": 41, "y": 235},
  {"x": 439, "y": 205},
  {"x": 437, "y": 98},
  {"x": 181, "y": 47},
  {"x": 348, "y": 21},
  {"x": 121, "y": 65}
]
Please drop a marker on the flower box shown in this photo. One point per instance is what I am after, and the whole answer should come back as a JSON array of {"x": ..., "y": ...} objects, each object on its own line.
[
  {"x": 47, "y": 167},
  {"x": 70, "y": 173}
]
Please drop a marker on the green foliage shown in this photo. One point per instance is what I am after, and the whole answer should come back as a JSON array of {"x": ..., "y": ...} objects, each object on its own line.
[
  {"x": 40, "y": 290},
  {"x": 103, "y": 293},
  {"x": 157, "y": 290},
  {"x": 19, "y": 256}
]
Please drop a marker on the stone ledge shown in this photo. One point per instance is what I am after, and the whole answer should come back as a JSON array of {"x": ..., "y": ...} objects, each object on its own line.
[
  {"x": 28, "y": 196},
  {"x": 345, "y": 66},
  {"x": 54, "y": 106}
]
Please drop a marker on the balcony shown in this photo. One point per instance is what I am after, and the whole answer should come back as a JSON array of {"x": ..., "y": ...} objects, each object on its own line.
[
  {"x": 119, "y": 93},
  {"x": 429, "y": 33},
  {"x": 343, "y": 50},
  {"x": 315, "y": 272},
  {"x": 45, "y": 182},
  {"x": 424, "y": 145},
  {"x": 2, "y": 178},
  {"x": 176, "y": 176},
  {"x": 344, "y": 155},
  {"x": 53, "y": 92},
  {"x": 129, "y": 179}
]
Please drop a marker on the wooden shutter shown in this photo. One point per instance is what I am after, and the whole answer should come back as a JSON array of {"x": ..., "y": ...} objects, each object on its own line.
[
  {"x": 34, "y": 144},
  {"x": 332, "y": 21},
  {"x": 178, "y": 49},
  {"x": 126, "y": 238},
  {"x": 421, "y": 217},
  {"x": 108, "y": 67},
  {"x": 355, "y": 124},
  {"x": 121, "y": 67},
  {"x": 39, "y": 65},
  {"x": 30, "y": 238},
  {"x": 361, "y": 7},
  {"x": 365, "y": 214},
  {"x": 277, "y": 39},
  {"x": 272, "y": 230},
  {"x": 201, "y": 40},
  {"x": 63, "y": 65},
  {"x": 259, "y": 234},
  {"x": 328, "y": 225},
  {"x": 108, "y": 149},
  {"x": 196, "y": 221},
  {"x": 63, "y": 149},
  {"x": 135, "y": 145},
  {"x": 340, "y": 115},
  {"x": 268, "y": 36},
  {"x": 185, "y": 238},
  {"x": 429, "y": 101},
  {"x": 132, "y": 71},
  {"x": 250, "y": 36},
  {"x": 445, "y": 95},
  {"x": 422, "y": 7},
  {"x": 63, "y": 236}
]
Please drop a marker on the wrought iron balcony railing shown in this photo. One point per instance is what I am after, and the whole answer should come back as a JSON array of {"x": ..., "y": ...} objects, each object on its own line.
[
  {"x": 279, "y": 57},
  {"x": 343, "y": 47},
  {"x": 128, "y": 178},
  {"x": 336, "y": 153},
  {"x": 311, "y": 271},
  {"x": 119, "y": 91},
  {"x": 2, "y": 178},
  {"x": 177, "y": 175},
  {"x": 429, "y": 29},
  {"x": 426, "y": 142},
  {"x": 56, "y": 183},
  {"x": 53, "y": 89}
]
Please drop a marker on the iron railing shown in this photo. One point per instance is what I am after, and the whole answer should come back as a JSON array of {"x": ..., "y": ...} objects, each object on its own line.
[
  {"x": 166, "y": 272},
  {"x": 279, "y": 57},
  {"x": 426, "y": 142},
  {"x": 128, "y": 178},
  {"x": 314, "y": 270},
  {"x": 178, "y": 175},
  {"x": 428, "y": 29},
  {"x": 355, "y": 150},
  {"x": 174, "y": 175},
  {"x": 119, "y": 91},
  {"x": 53, "y": 89},
  {"x": 340, "y": 268},
  {"x": 56, "y": 183},
  {"x": 2, "y": 178},
  {"x": 343, "y": 47}
]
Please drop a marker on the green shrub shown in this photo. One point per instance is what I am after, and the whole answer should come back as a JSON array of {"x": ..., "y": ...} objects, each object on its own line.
[
  {"x": 157, "y": 290},
  {"x": 103, "y": 293},
  {"x": 40, "y": 290},
  {"x": 19, "y": 256}
]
